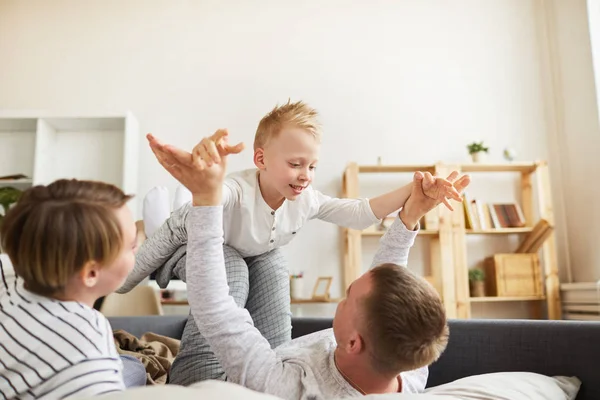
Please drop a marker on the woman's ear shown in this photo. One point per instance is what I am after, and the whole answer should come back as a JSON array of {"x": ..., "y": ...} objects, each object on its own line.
[{"x": 89, "y": 274}]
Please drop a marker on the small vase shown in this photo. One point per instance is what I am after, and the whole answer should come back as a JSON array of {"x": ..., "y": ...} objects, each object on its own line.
[
  {"x": 296, "y": 288},
  {"x": 477, "y": 289},
  {"x": 478, "y": 157}
]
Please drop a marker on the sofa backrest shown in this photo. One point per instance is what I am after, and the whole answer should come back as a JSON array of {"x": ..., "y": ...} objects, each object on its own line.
[{"x": 567, "y": 348}]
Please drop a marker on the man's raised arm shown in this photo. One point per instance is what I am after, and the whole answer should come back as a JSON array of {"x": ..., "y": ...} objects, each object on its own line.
[{"x": 244, "y": 354}]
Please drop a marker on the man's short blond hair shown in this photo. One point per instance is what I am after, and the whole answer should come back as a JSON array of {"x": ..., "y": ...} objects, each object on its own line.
[
  {"x": 54, "y": 230},
  {"x": 405, "y": 326},
  {"x": 289, "y": 115}
]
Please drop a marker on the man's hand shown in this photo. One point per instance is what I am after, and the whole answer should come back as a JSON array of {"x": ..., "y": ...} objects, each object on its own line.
[
  {"x": 200, "y": 175},
  {"x": 419, "y": 204}
]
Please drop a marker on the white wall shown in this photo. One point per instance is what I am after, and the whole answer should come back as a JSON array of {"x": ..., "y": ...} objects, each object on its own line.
[
  {"x": 574, "y": 128},
  {"x": 410, "y": 81}
]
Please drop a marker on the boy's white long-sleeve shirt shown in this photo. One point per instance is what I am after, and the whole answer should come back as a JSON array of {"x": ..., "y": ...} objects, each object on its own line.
[
  {"x": 301, "y": 369},
  {"x": 253, "y": 228},
  {"x": 249, "y": 225}
]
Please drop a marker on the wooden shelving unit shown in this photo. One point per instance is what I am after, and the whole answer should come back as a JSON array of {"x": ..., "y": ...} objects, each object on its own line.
[
  {"x": 447, "y": 235},
  {"x": 438, "y": 231},
  {"x": 532, "y": 175}
]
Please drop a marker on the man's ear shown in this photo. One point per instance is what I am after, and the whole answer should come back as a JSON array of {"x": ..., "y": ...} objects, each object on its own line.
[
  {"x": 355, "y": 344},
  {"x": 259, "y": 158},
  {"x": 90, "y": 273}
]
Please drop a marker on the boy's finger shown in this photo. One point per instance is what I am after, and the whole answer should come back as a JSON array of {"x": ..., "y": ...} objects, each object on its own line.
[
  {"x": 453, "y": 193},
  {"x": 234, "y": 149},
  {"x": 462, "y": 183},
  {"x": 218, "y": 135},
  {"x": 202, "y": 154},
  {"x": 213, "y": 153},
  {"x": 453, "y": 175},
  {"x": 447, "y": 204}
]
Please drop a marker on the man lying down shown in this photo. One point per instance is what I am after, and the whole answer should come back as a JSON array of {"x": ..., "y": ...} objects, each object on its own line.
[{"x": 386, "y": 332}]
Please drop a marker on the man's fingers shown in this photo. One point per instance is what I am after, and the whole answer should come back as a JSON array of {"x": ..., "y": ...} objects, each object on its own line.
[
  {"x": 179, "y": 156},
  {"x": 428, "y": 179},
  {"x": 154, "y": 142},
  {"x": 160, "y": 154},
  {"x": 418, "y": 176},
  {"x": 170, "y": 165}
]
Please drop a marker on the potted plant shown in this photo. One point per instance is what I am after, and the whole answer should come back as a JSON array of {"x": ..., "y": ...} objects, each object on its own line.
[
  {"x": 8, "y": 196},
  {"x": 477, "y": 282},
  {"x": 477, "y": 151}
]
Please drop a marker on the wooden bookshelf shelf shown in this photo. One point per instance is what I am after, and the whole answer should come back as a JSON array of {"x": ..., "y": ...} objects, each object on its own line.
[
  {"x": 374, "y": 232},
  {"x": 499, "y": 231},
  {"x": 490, "y": 299},
  {"x": 523, "y": 167},
  {"x": 395, "y": 168},
  {"x": 6, "y": 182},
  {"x": 166, "y": 302}
]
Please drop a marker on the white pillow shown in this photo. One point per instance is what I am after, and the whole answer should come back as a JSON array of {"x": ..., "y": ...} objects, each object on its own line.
[
  {"x": 497, "y": 386},
  {"x": 206, "y": 390}
]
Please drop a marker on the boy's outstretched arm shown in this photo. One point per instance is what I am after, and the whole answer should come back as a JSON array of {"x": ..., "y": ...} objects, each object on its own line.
[
  {"x": 394, "y": 246},
  {"x": 362, "y": 213},
  {"x": 435, "y": 188}
]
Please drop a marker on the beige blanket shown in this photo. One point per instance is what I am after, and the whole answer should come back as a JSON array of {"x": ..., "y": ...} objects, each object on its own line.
[{"x": 156, "y": 352}]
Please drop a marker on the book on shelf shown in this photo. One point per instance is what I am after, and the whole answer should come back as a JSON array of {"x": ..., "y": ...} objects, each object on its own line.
[
  {"x": 536, "y": 238},
  {"x": 484, "y": 216}
]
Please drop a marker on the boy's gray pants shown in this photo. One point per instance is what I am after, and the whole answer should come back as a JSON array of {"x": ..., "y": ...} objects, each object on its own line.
[{"x": 261, "y": 284}]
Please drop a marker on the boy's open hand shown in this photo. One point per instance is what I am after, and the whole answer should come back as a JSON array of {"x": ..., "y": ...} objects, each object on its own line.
[
  {"x": 441, "y": 189},
  {"x": 203, "y": 179},
  {"x": 419, "y": 203}
]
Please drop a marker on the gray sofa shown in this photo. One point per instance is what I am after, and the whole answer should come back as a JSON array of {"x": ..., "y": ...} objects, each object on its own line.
[{"x": 476, "y": 346}]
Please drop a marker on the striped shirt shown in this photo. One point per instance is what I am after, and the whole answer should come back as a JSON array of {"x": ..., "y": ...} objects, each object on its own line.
[{"x": 52, "y": 349}]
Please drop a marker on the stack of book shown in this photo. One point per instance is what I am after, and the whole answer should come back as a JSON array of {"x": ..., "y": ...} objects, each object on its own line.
[{"x": 482, "y": 216}]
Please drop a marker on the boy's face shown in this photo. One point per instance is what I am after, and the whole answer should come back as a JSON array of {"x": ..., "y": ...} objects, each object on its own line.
[
  {"x": 113, "y": 275},
  {"x": 289, "y": 162}
]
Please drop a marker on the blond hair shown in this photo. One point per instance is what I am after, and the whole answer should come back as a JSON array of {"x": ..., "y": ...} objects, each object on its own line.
[
  {"x": 406, "y": 324},
  {"x": 296, "y": 115},
  {"x": 54, "y": 230}
]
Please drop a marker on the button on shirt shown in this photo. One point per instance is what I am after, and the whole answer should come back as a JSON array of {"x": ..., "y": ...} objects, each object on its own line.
[{"x": 254, "y": 228}]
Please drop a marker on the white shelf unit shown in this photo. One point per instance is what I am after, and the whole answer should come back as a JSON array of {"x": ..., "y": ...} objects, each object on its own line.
[{"x": 46, "y": 148}]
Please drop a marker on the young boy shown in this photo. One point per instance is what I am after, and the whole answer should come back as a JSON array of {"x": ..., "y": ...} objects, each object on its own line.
[
  {"x": 264, "y": 209},
  {"x": 70, "y": 243},
  {"x": 267, "y": 206}
]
